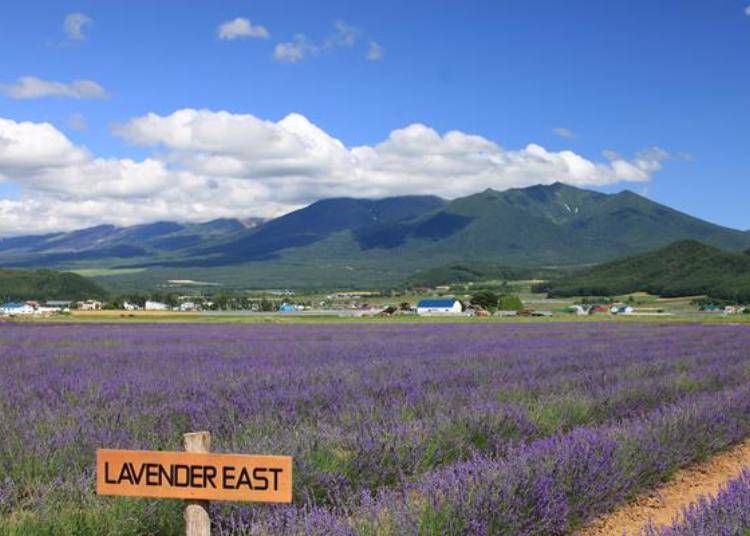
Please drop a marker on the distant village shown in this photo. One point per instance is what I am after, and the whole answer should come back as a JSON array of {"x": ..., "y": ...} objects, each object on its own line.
[{"x": 418, "y": 301}]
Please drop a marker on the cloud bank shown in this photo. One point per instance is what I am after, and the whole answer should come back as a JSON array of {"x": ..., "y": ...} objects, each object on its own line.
[{"x": 206, "y": 164}]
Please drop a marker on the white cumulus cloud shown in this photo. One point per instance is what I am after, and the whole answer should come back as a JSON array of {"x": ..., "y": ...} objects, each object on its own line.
[
  {"x": 75, "y": 24},
  {"x": 241, "y": 28},
  {"x": 31, "y": 87},
  {"x": 206, "y": 164}
]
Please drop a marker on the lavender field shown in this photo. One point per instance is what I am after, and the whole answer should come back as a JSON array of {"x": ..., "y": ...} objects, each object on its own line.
[{"x": 395, "y": 429}]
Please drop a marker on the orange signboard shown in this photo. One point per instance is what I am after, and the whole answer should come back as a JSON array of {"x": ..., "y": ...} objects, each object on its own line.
[{"x": 187, "y": 475}]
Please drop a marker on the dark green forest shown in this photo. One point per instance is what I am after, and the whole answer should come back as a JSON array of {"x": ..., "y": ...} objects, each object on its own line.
[{"x": 685, "y": 268}]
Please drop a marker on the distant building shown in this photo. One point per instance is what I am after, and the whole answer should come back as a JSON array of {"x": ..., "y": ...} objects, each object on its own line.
[
  {"x": 130, "y": 306},
  {"x": 188, "y": 306},
  {"x": 89, "y": 305},
  {"x": 47, "y": 311},
  {"x": 11, "y": 309},
  {"x": 62, "y": 304},
  {"x": 156, "y": 306},
  {"x": 439, "y": 307}
]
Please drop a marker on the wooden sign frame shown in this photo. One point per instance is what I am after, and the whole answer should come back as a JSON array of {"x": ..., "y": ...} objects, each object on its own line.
[{"x": 196, "y": 476}]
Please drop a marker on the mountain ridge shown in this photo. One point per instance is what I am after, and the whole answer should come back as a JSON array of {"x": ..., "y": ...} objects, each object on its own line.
[{"x": 385, "y": 239}]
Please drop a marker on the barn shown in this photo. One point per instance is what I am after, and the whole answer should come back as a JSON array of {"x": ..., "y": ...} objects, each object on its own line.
[{"x": 439, "y": 307}]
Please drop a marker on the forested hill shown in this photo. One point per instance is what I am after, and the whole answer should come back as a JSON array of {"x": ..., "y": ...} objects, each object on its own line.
[
  {"x": 685, "y": 268},
  {"x": 46, "y": 285}
]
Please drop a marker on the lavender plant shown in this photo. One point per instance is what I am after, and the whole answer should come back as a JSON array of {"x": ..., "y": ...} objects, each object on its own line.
[
  {"x": 726, "y": 514},
  {"x": 400, "y": 429}
]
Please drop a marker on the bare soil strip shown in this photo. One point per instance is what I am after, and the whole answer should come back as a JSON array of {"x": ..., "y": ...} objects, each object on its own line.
[{"x": 666, "y": 502}]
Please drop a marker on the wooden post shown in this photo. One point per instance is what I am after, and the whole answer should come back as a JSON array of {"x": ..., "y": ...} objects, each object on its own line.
[{"x": 197, "y": 521}]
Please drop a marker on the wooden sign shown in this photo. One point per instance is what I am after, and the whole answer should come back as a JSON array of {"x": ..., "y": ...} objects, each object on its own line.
[{"x": 194, "y": 476}]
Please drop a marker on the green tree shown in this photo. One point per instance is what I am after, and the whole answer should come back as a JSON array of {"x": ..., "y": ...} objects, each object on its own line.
[
  {"x": 485, "y": 299},
  {"x": 510, "y": 302}
]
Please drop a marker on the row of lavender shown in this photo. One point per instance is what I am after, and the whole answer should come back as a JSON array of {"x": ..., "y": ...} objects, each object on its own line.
[
  {"x": 548, "y": 487},
  {"x": 400, "y": 429},
  {"x": 726, "y": 514}
]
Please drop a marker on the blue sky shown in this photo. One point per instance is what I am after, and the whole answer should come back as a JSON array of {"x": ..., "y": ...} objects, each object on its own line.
[{"x": 580, "y": 76}]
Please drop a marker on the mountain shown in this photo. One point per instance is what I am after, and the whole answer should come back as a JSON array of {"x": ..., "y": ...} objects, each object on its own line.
[
  {"x": 685, "y": 268},
  {"x": 540, "y": 225},
  {"x": 46, "y": 285},
  {"x": 313, "y": 224},
  {"x": 149, "y": 241},
  {"x": 362, "y": 242}
]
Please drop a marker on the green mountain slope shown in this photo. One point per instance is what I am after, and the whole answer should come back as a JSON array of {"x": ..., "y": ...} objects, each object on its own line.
[
  {"x": 46, "y": 285},
  {"x": 364, "y": 242},
  {"x": 685, "y": 268},
  {"x": 536, "y": 226},
  {"x": 114, "y": 244},
  {"x": 562, "y": 225}
]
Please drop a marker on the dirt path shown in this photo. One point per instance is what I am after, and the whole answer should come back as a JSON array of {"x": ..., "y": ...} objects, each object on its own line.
[{"x": 664, "y": 503}]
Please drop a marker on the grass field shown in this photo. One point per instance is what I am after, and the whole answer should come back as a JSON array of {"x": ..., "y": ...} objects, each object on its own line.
[{"x": 396, "y": 428}]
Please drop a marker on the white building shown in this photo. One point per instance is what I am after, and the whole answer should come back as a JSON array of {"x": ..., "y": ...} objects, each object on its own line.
[
  {"x": 156, "y": 306},
  {"x": 12, "y": 309},
  {"x": 46, "y": 310},
  {"x": 448, "y": 306},
  {"x": 89, "y": 305}
]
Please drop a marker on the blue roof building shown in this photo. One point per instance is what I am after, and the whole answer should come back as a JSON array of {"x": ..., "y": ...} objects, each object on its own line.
[{"x": 439, "y": 306}]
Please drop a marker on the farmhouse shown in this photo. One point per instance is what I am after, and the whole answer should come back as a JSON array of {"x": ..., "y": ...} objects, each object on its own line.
[
  {"x": 439, "y": 307},
  {"x": 89, "y": 305}
]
